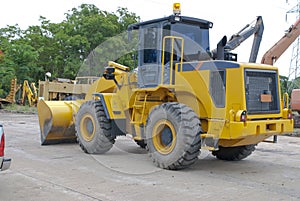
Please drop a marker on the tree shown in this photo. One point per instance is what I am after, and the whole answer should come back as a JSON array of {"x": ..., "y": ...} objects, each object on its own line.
[{"x": 61, "y": 48}]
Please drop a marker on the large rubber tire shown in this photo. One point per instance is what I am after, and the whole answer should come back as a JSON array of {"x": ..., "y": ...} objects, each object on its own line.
[
  {"x": 93, "y": 129},
  {"x": 234, "y": 153},
  {"x": 173, "y": 136}
]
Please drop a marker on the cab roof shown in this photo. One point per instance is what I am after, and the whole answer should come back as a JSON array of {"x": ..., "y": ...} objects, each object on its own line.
[{"x": 173, "y": 19}]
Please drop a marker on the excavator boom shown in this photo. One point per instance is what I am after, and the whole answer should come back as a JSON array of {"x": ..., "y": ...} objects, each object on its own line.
[
  {"x": 238, "y": 38},
  {"x": 27, "y": 92},
  {"x": 273, "y": 54},
  {"x": 245, "y": 33}
]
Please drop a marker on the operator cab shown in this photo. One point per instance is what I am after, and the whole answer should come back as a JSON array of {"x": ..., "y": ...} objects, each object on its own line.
[{"x": 166, "y": 41}]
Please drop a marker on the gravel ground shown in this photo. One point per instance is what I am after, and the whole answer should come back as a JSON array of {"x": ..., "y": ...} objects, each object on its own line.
[{"x": 64, "y": 172}]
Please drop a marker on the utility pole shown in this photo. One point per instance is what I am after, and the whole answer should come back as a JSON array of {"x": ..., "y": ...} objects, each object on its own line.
[{"x": 294, "y": 70}]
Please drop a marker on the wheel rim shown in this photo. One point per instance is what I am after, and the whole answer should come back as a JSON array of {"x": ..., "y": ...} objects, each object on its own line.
[
  {"x": 87, "y": 127},
  {"x": 164, "y": 136}
]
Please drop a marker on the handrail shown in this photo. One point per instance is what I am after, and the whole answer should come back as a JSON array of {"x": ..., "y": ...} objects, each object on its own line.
[{"x": 172, "y": 38}]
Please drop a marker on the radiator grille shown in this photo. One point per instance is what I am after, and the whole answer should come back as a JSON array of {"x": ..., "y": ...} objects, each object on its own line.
[{"x": 260, "y": 83}]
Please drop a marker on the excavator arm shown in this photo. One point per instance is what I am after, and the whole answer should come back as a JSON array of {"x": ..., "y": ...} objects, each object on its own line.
[
  {"x": 236, "y": 39},
  {"x": 27, "y": 92},
  {"x": 273, "y": 54}
]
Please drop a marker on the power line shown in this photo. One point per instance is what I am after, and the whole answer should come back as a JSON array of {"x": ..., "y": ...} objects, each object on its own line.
[{"x": 294, "y": 70}]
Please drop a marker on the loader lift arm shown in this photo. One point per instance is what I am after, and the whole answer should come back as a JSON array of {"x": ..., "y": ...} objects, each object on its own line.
[{"x": 273, "y": 54}]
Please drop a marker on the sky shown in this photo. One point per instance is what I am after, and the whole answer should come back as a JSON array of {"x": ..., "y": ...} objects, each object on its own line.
[{"x": 227, "y": 16}]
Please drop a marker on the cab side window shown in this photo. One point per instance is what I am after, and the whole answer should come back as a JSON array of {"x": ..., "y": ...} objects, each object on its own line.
[{"x": 150, "y": 45}]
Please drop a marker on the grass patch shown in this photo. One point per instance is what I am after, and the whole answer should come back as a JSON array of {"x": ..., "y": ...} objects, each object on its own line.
[{"x": 20, "y": 108}]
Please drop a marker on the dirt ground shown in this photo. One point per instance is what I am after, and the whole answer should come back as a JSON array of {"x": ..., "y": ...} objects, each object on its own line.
[{"x": 64, "y": 172}]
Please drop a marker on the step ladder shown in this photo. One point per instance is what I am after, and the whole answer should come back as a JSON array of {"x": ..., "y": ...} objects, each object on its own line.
[{"x": 139, "y": 106}]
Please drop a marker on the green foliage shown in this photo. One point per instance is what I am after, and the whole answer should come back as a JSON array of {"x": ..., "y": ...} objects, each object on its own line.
[
  {"x": 61, "y": 48},
  {"x": 284, "y": 84},
  {"x": 287, "y": 85}
]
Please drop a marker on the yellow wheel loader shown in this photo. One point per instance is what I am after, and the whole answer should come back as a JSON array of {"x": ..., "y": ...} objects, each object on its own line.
[{"x": 180, "y": 99}]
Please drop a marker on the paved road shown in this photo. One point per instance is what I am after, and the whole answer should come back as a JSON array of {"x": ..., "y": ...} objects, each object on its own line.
[{"x": 64, "y": 172}]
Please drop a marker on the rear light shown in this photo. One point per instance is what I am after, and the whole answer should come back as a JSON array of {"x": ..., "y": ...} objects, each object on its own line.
[
  {"x": 2, "y": 145},
  {"x": 244, "y": 116},
  {"x": 287, "y": 113},
  {"x": 241, "y": 116},
  {"x": 290, "y": 115}
]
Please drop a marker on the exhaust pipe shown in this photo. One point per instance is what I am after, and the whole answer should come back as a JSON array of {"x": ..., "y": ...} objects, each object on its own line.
[
  {"x": 220, "y": 48},
  {"x": 220, "y": 51}
]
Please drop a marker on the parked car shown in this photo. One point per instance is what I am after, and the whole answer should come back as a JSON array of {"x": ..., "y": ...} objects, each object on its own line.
[{"x": 4, "y": 162}]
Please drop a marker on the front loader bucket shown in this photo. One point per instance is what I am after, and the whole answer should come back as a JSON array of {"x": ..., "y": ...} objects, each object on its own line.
[{"x": 56, "y": 122}]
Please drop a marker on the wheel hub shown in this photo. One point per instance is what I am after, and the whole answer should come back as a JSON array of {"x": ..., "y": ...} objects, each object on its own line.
[
  {"x": 164, "y": 136},
  {"x": 87, "y": 127}
]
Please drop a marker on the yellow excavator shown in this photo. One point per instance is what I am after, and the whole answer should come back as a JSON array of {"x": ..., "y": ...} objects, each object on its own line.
[
  {"x": 180, "y": 99},
  {"x": 11, "y": 97},
  {"x": 29, "y": 92}
]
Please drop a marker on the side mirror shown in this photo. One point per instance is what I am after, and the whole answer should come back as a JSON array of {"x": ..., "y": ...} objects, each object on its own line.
[{"x": 109, "y": 73}]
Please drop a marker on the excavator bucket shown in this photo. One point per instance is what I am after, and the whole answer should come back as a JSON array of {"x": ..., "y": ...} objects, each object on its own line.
[{"x": 56, "y": 121}]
